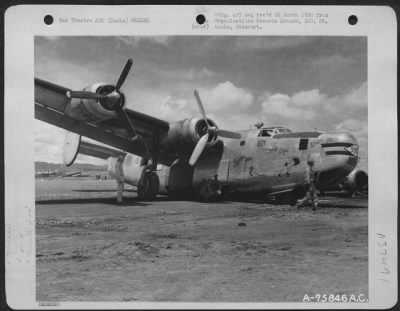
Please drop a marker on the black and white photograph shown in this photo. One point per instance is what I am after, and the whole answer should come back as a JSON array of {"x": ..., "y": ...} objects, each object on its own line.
[
  {"x": 200, "y": 157},
  {"x": 208, "y": 168}
]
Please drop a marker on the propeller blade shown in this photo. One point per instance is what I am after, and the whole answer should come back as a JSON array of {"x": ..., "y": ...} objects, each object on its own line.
[
  {"x": 84, "y": 95},
  {"x": 126, "y": 122},
  {"x": 201, "y": 108},
  {"x": 124, "y": 74},
  {"x": 228, "y": 134},
  {"x": 198, "y": 150}
]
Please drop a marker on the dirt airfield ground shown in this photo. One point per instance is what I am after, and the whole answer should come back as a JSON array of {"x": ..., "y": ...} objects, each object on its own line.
[{"x": 90, "y": 249}]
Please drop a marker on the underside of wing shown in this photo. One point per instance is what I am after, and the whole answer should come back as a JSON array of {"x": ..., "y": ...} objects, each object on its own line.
[{"x": 88, "y": 118}]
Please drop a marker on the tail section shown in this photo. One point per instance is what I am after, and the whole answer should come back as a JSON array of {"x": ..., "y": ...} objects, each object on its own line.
[
  {"x": 75, "y": 144},
  {"x": 123, "y": 167}
]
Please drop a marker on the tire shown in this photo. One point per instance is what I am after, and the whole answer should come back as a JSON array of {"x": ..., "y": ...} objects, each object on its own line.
[{"x": 148, "y": 186}]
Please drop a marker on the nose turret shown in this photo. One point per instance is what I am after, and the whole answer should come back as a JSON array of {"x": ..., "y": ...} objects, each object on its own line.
[
  {"x": 343, "y": 144},
  {"x": 339, "y": 156}
]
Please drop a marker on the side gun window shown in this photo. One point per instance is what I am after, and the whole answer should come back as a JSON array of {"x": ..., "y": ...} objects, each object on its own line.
[{"x": 303, "y": 144}]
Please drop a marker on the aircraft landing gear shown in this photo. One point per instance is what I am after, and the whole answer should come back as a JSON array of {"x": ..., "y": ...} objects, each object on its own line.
[{"x": 149, "y": 185}]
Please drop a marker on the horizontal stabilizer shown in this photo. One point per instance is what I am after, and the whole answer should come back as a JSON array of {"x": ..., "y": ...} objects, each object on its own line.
[
  {"x": 98, "y": 151},
  {"x": 74, "y": 144}
]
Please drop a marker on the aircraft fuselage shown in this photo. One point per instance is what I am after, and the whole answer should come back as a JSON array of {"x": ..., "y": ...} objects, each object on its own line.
[{"x": 264, "y": 165}]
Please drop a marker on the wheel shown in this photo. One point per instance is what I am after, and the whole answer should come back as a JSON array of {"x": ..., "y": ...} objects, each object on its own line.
[{"x": 148, "y": 186}]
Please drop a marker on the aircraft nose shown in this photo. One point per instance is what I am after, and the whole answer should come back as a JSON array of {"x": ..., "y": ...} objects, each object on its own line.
[
  {"x": 340, "y": 144},
  {"x": 340, "y": 148},
  {"x": 339, "y": 156}
]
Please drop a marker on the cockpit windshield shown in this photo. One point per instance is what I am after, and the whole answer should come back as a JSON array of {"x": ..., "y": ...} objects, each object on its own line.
[{"x": 271, "y": 131}]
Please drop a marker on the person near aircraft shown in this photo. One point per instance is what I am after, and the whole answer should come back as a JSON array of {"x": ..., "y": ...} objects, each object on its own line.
[
  {"x": 120, "y": 180},
  {"x": 210, "y": 189},
  {"x": 217, "y": 186},
  {"x": 309, "y": 181}
]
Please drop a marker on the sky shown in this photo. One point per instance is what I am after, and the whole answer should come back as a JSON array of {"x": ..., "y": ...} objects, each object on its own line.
[{"x": 302, "y": 83}]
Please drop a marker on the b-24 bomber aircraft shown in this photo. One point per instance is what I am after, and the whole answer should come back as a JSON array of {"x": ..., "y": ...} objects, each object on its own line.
[{"x": 183, "y": 158}]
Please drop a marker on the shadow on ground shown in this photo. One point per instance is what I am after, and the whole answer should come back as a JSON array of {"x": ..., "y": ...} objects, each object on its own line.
[
  {"x": 111, "y": 201},
  {"x": 100, "y": 190}
]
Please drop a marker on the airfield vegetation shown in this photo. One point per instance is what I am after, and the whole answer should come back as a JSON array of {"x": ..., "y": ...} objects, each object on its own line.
[{"x": 91, "y": 249}]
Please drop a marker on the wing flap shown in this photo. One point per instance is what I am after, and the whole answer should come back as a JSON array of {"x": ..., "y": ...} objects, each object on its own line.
[{"x": 51, "y": 95}]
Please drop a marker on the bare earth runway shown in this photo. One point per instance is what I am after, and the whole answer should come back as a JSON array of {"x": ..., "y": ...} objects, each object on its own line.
[{"x": 90, "y": 249}]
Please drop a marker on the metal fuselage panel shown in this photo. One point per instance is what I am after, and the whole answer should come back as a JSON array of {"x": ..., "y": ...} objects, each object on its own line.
[
  {"x": 266, "y": 165},
  {"x": 257, "y": 164},
  {"x": 276, "y": 163}
]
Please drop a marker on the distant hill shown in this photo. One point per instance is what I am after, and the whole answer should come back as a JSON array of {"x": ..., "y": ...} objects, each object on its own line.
[{"x": 84, "y": 167}]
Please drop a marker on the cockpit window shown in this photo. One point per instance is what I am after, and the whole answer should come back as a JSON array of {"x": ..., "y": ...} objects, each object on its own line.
[
  {"x": 265, "y": 133},
  {"x": 271, "y": 131},
  {"x": 283, "y": 130}
]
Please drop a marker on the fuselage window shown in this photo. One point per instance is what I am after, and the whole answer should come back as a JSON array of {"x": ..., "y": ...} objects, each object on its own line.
[{"x": 303, "y": 144}]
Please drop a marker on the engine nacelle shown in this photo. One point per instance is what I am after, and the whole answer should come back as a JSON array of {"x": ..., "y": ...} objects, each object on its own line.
[
  {"x": 92, "y": 109},
  {"x": 357, "y": 180},
  {"x": 126, "y": 168},
  {"x": 184, "y": 135}
]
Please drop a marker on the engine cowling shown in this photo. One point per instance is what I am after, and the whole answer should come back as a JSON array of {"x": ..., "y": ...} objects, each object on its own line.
[
  {"x": 357, "y": 180},
  {"x": 183, "y": 135},
  {"x": 92, "y": 109}
]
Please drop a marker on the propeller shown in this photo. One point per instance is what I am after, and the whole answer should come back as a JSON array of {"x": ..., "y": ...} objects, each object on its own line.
[
  {"x": 121, "y": 112},
  {"x": 124, "y": 74},
  {"x": 123, "y": 116},
  {"x": 198, "y": 150},
  {"x": 112, "y": 100},
  {"x": 211, "y": 130}
]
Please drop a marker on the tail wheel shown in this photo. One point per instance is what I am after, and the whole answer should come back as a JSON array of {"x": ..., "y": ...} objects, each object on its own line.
[{"x": 148, "y": 186}]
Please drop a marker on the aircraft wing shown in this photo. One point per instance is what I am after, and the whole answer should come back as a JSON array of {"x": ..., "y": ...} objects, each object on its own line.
[{"x": 52, "y": 104}]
